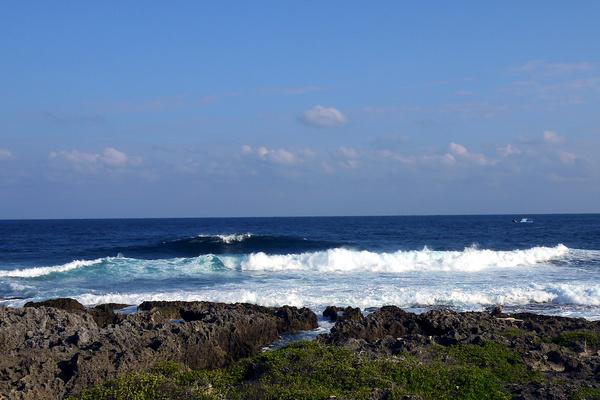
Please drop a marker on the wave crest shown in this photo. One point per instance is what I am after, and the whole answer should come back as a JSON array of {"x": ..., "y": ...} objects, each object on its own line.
[
  {"x": 345, "y": 260},
  {"x": 41, "y": 271},
  {"x": 337, "y": 260},
  {"x": 228, "y": 238}
]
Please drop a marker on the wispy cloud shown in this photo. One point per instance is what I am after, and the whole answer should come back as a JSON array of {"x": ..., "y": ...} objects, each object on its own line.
[
  {"x": 457, "y": 154},
  {"x": 508, "y": 150},
  {"x": 279, "y": 156},
  {"x": 558, "y": 82},
  {"x": 323, "y": 117},
  {"x": 156, "y": 104},
  {"x": 109, "y": 157},
  {"x": 349, "y": 157},
  {"x": 69, "y": 119},
  {"x": 552, "y": 137},
  {"x": 567, "y": 158},
  {"x": 461, "y": 152},
  {"x": 5, "y": 154},
  {"x": 545, "y": 67}
]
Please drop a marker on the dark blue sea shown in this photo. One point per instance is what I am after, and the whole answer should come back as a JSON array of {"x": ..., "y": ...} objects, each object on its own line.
[{"x": 551, "y": 265}]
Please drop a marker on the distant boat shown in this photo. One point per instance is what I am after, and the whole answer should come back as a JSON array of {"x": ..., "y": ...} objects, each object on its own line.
[{"x": 523, "y": 221}]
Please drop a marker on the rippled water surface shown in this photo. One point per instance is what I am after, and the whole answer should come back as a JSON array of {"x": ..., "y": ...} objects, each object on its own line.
[{"x": 465, "y": 262}]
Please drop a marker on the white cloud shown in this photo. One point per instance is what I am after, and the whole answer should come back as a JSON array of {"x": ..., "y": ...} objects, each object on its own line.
[
  {"x": 110, "y": 157},
  {"x": 5, "y": 154},
  {"x": 567, "y": 158},
  {"x": 114, "y": 157},
  {"x": 348, "y": 152},
  {"x": 461, "y": 152},
  {"x": 349, "y": 157},
  {"x": 508, "y": 150},
  {"x": 327, "y": 168},
  {"x": 458, "y": 149},
  {"x": 448, "y": 159},
  {"x": 246, "y": 149},
  {"x": 279, "y": 156},
  {"x": 324, "y": 117},
  {"x": 391, "y": 155},
  {"x": 553, "y": 138}
]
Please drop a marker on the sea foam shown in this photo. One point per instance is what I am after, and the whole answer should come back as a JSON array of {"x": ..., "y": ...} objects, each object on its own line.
[
  {"x": 338, "y": 260},
  {"x": 345, "y": 260},
  {"x": 552, "y": 296},
  {"x": 229, "y": 238},
  {"x": 41, "y": 271}
]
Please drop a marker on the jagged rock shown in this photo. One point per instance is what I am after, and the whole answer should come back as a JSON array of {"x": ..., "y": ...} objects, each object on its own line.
[
  {"x": 104, "y": 314},
  {"x": 66, "y": 304},
  {"x": 49, "y": 353},
  {"x": 536, "y": 338},
  {"x": 496, "y": 310},
  {"x": 331, "y": 313}
]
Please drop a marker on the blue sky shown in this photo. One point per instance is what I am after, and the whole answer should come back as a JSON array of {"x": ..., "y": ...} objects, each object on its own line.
[{"x": 264, "y": 108}]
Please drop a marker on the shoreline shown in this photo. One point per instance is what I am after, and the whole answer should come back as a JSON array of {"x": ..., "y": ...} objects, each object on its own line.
[{"x": 59, "y": 348}]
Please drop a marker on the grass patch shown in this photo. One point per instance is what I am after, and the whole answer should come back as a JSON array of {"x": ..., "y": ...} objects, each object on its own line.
[
  {"x": 587, "y": 394},
  {"x": 571, "y": 339},
  {"x": 513, "y": 332},
  {"x": 507, "y": 365},
  {"x": 311, "y": 370}
]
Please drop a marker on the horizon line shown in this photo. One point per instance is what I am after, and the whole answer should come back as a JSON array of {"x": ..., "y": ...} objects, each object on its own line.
[{"x": 296, "y": 216}]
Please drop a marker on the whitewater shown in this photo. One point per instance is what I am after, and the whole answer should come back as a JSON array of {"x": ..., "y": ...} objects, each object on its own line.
[{"x": 314, "y": 268}]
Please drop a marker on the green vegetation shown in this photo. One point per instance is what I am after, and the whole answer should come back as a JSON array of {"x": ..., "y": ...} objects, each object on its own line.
[
  {"x": 587, "y": 394},
  {"x": 505, "y": 364},
  {"x": 514, "y": 332},
  {"x": 570, "y": 339},
  {"x": 311, "y": 370}
]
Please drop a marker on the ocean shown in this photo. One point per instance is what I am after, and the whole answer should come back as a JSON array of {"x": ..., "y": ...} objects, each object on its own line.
[{"x": 550, "y": 266}]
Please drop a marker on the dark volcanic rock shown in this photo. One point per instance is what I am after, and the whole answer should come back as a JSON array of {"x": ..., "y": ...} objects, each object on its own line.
[
  {"x": 565, "y": 349},
  {"x": 331, "y": 313},
  {"x": 66, "y": 304},
  {"x": 104, "y": 314},
  {"x": 49, "y": 352}
]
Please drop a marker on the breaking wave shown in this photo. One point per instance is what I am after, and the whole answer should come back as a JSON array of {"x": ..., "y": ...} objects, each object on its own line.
[
  {"x": 338, "y": 260},
  {"x": 234, "y": 237},
  {"x": 345, "y": 260},
  {"x": 556, "y": 296},
  {"x": 41, "y": 271},
  {"x": 234, "y": 243}
]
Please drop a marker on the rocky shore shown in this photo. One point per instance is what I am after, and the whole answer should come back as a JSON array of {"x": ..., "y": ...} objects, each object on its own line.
[
  {"x": 564, "y": 352},
  {"x": 58, "y": 348}
]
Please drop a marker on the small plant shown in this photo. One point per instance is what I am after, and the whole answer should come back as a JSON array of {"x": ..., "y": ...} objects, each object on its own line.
[
  {"x": 571, "y": 339},
  {"x": 587, "y": 394},
  {"x": 312, "y": 370},
  {"x": 507, "y": 365}
]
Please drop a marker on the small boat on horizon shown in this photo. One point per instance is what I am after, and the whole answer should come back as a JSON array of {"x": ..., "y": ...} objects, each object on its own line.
[{"x": 523, "y": 221}]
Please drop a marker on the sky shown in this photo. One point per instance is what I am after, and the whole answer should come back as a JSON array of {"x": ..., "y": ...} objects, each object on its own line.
[{"x": 277, "y": 108}]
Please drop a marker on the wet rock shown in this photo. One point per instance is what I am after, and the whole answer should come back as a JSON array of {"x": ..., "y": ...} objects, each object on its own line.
[
  {"x": 496, "y": 310},
  {"x": 331, "y": 313},
  {"x": 295, "y": 319}
]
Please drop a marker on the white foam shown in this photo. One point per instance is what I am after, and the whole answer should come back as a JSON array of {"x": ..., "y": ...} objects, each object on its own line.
[
  {"x": 230, "y": 238},
  {"x": 265, "y": 298},
  {"x": 554, "y": 299},
  {"x": 41, "y": 271},
  {"x": 234, "y": 237},
  {"x": 344, "y": 260},
  {"x": 339, "y": 260}
]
